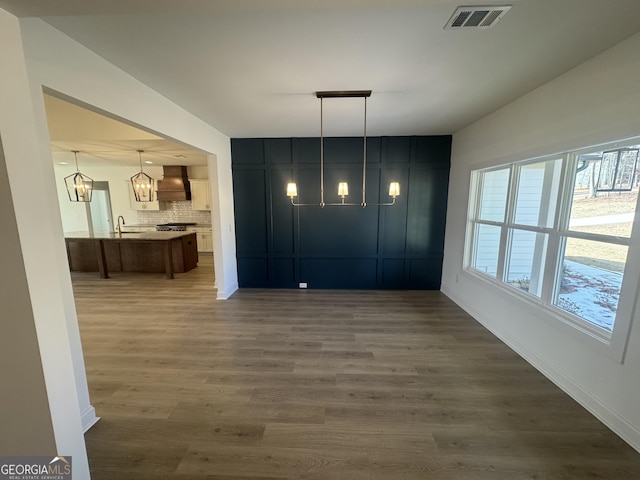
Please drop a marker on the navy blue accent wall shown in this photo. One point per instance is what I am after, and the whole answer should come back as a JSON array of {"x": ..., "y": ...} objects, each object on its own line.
[{"x": 398, "y": 247}]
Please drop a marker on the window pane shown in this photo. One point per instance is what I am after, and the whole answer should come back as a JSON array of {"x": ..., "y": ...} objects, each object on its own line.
[
  {"x": 590, "y": 280},
  {"x": 527, "y": 252},
  {"x": 493, "y": 197},
  {"x": 486, "y": 246},
  {"x": 537, "y": 193},
  {"x": 600, "y": 203},
  {"x": 617, "y": 169}
]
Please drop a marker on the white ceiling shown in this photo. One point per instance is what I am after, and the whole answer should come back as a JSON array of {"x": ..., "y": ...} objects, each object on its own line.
[
  {"x": 103, "y": 141},
  {"x": 250, "y": 67},
  {"x": 123, "y": 153}
]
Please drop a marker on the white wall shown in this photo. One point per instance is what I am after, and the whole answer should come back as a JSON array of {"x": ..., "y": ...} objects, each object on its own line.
[
  {"x": 30, "y": 170},
  {"x": 596, "y": 102},
  {"x": 25, "y": 416},
  {"x": 57, "y": 62}
]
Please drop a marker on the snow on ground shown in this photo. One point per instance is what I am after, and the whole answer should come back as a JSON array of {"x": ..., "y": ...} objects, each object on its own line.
[
  {"x": 602, "y": 220},
  {"x": 591, "y": 293}
]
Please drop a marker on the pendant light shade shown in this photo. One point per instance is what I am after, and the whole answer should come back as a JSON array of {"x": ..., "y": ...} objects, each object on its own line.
[
  {"x": 79, "y": 186},
  {"x": 394, "y": 189},
  {"x": 144, "y": 187},
  {"x": 292, "y": 190}
]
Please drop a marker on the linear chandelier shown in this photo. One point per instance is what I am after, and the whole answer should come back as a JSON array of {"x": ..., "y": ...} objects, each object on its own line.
[
  {"x": 79, "y": 186},
  {"x": 144, "y": 187},
  {"x": 343, "y": 187}
]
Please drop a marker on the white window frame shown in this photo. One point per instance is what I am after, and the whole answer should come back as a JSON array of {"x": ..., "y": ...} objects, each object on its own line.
[{"x": 611, "y": 344}]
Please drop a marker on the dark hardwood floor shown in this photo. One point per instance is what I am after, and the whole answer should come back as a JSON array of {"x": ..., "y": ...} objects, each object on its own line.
[{"x": 319, "y": 385}]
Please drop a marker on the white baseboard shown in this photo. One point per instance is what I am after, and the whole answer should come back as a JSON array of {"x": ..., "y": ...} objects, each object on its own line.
[
  {"x": 88, "y": 418},
  {"x": 230, "y": 290},
  {"x": 618, "y": 424}
]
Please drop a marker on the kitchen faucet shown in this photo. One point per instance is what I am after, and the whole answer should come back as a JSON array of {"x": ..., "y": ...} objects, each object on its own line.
[{"x": 119, "y": 228}]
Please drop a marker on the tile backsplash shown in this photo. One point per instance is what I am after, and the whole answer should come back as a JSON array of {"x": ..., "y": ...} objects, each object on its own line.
[{"x": 174, "y": 212}]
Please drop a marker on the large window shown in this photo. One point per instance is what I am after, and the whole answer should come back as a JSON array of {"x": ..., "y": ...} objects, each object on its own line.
[
  {"x": 558, "y": 231},
  {"x": 491, "y": 207}
]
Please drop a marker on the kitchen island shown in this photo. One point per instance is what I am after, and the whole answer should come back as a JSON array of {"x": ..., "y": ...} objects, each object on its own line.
[{"x": 169, "y": 252}]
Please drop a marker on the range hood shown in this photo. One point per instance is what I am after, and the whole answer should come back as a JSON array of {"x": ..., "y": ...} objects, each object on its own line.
[{"x": 174, "y": 185}]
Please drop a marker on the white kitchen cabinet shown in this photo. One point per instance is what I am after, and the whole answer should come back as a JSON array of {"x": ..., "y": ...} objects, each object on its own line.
[
  {"x": 139, "y": 228},
  {"x": 200, "y": 194},
  {"x": 141, "y": 205},
  {"x": 204, "y": 238}
]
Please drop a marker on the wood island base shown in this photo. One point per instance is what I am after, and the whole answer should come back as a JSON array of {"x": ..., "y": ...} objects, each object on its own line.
[{"x": 154, "y": 252}]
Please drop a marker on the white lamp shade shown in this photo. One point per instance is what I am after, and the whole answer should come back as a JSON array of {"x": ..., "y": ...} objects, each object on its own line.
[
  {"x": 292, "y": 190},
  {"x": 394, "y": 189},
  {"x": 343, "y": 189}
]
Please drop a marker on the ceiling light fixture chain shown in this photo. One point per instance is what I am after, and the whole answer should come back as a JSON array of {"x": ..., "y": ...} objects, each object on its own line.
[{"x": 343, "y": 187}]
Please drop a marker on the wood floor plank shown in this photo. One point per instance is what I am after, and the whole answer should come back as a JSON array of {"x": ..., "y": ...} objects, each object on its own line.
[
  {"x": 218, "y": 410},
  {"x": 347, "y": 436},
  {"x": 319, "y": 385},
  {"x": 273, "y": 462}
]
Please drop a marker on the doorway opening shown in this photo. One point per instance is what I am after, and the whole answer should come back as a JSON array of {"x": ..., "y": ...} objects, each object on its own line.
[{"x": 99, "y": 214}]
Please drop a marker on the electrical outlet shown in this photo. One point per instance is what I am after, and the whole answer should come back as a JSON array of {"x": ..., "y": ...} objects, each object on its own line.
[{"x": 302, "y": 285}]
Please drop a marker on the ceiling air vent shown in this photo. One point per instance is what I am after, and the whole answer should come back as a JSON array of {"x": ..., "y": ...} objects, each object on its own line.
[{"x": 476, "y": 16}]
